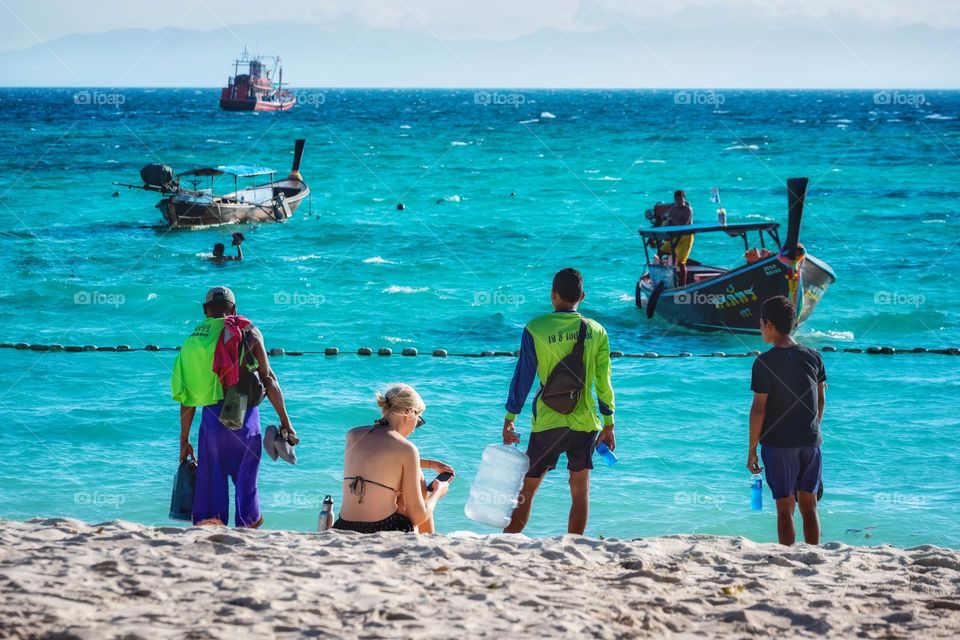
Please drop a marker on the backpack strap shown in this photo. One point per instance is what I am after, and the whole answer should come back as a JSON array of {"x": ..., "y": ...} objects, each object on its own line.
[{"x": 245, "y": 353}]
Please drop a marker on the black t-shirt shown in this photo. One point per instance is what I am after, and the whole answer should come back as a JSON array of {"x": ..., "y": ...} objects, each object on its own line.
[{"x": 789, "y": 376}]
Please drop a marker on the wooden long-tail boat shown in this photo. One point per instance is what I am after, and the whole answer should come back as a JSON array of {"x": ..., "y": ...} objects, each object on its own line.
[
  {"x": 199, "y": 206},
  {"x": 728, "y": 299}
]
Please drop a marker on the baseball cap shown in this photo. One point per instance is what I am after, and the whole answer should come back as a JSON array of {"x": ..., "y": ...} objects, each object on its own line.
[{"x": 220, "y": 294}]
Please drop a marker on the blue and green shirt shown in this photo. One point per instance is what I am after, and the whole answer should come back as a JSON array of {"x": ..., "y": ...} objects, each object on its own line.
[{"x": 546, "y": 341}]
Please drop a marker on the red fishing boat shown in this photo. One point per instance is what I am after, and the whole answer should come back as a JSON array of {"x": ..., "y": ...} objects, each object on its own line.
[{"x": 255, "y": 89}]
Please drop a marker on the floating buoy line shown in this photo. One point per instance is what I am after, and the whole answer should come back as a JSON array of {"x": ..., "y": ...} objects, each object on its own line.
[{"x": 443, "y": 353}]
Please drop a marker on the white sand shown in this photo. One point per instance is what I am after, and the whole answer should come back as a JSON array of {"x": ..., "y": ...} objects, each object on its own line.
[{"x": 65, "y": 579}]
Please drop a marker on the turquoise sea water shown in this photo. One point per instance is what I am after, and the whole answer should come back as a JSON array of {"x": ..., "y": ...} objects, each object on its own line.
[{"x": 94, "y": 435}]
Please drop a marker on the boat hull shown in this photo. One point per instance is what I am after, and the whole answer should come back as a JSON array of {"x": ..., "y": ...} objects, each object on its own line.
[
  {"x": 185, "y": 212},
  {"x": 228, "y": 104},
  {"x": 731, "y": 301}
]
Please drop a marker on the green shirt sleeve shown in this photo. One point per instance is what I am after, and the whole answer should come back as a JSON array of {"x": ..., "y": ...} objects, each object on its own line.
[
  {"x": 603, "y": 380},
  {"x": 176, "y": 383}
]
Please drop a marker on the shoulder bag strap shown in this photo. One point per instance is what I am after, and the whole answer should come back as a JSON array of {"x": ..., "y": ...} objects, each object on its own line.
[{"x": 581, "y": 337}]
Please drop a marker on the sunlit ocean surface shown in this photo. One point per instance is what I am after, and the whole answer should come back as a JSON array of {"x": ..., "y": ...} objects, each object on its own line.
[{"x": 500, "y": 192}]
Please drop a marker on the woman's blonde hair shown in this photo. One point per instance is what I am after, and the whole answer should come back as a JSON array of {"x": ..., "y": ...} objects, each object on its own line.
[{"x": 399, "y": 398}]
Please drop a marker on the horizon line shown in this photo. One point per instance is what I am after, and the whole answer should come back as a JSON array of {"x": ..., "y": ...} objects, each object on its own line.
[{"x": 495, "y": 88}]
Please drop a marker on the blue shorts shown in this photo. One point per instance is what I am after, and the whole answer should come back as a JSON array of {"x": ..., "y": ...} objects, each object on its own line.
[{"x": 792, "y": 469}]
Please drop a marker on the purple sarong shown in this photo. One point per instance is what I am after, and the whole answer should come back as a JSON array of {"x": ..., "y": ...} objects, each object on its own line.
[{"x": 223, "y": 453}]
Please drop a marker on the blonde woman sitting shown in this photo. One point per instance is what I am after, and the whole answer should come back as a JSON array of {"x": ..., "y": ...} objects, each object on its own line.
[{"x": 383, "y": 485}]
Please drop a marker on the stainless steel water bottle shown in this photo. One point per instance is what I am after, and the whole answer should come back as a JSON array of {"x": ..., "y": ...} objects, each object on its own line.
[{"x": 325, "y": 521}]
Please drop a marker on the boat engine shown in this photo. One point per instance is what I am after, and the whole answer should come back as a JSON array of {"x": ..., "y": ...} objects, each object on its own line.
[
  {"x": 159, "y": 176},
  {"x": 658, "y": 215},
  {"x": 281, "y": 210}
]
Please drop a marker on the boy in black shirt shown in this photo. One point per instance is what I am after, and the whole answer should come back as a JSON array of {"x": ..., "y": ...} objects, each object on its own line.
[{"x": 788, "y": 385}]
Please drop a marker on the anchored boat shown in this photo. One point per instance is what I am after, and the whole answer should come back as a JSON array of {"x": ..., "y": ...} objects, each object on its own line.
[
  {"x": 255, "y": 90},
  {"x": 721, "y": 299},
  {"x": 199, "y": 206}
]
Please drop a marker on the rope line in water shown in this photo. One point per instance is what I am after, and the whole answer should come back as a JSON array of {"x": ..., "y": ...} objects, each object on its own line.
[{"x": 443, "y": 353}]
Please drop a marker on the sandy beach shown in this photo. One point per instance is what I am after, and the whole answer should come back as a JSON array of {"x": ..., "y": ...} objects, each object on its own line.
[{"x": 66, "y": 579}]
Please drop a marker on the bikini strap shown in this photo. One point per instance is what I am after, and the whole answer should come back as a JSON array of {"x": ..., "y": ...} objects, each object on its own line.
[{"x": 359, "y": 486}]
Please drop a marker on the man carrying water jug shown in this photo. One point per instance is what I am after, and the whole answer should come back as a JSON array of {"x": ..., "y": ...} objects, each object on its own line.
[{"x": 570, "y": 356}]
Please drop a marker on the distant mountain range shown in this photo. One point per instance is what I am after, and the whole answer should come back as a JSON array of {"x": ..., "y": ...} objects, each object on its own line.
[{"x": 346, "y": 54}]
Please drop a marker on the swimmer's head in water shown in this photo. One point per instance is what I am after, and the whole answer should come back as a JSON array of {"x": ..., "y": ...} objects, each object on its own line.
[{"x": 218, "y": 250}]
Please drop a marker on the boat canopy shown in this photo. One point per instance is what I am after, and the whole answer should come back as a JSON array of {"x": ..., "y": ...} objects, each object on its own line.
[
  {"x": 236, "y": 170},
  {"x": 732, "y": 230}
]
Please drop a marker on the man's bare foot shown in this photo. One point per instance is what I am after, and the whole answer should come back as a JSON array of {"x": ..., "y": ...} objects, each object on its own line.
[{"x": 211, "y": 522}]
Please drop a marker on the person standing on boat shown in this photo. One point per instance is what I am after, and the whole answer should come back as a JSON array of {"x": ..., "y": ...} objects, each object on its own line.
[
  {"x": 679, "y": 215},
  {"x": 225, "y": 346},
  {"x": 546, "y": 341},
  {"x": 218, "y": 249}
]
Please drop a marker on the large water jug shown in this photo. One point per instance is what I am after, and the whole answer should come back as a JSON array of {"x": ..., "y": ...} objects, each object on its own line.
[{"x": 493, "y": 496}]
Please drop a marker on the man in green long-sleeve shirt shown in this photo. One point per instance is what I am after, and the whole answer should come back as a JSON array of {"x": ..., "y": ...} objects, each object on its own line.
[{"x": 545, "y": 342}]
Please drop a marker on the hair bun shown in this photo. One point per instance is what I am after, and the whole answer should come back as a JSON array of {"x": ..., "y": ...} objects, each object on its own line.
[{"x": 400, "y": 397}]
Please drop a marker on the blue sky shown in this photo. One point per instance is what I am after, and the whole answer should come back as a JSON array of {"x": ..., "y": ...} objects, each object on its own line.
[{"x": 748, "y": 43}]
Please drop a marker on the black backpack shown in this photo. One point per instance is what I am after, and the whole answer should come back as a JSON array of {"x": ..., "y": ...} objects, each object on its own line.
[{"x": 565, "y": 383}]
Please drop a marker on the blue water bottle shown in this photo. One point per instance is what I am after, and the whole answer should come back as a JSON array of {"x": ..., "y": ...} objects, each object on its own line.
[
  {"x": 756, "y": 492},
  {"x": 608, "y": 456}
]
